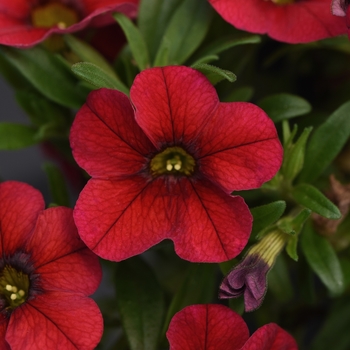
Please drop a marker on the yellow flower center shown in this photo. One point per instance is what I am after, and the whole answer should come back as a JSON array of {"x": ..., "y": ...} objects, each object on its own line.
[
  {"x": 14, "y": 287},
  {"x": 172, "y": 161},
  {"x": 54, "y": 14}
]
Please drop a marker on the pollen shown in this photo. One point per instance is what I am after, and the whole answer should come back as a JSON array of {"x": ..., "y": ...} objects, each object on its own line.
[
  {"x": 61, "y": 25},
  {"x": 174, "y": 161}
]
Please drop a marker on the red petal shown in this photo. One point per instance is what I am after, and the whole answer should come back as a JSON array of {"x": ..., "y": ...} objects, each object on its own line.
[
  {"x": 214, "y": 226},
  {"x": 56, "y": 320},
  {"x": 119, "y": 219},
  {"x": 172, "y": 104},
  {"x": 126, "y": 6},
  {"x": 56, "y": 247},
  {"x": 270, "y": 337},
  {"x": 239, "y": 148},
  {"x": 207, "y": 327},
  {"x": 302, "y": 21},
  {"x": 106, "y": 140},
  {"x": 19, "y": 210},
  {"x": 3, "y": 328},
  {"x": 15, "y": 8}
]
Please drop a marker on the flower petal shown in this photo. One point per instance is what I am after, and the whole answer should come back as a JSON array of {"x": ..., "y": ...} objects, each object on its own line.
[
  {"x": 126, "y": 6},
  {"x": 56, "y": 320},
  {"x": 239, "y": 148},
  {"x": 173, "y": 104},
  {"x": 299, "y": 22},
  {"x": 56, "y": 247},
  {"x": 214, "y": 227},
  {"x": 120, "y": 219},
  {"x": 3, "y": 328},
  {"x": 207, "y": 327},
  {"x": 270, "y": 337},
  {"x": 20, "y": 206},
  {"x": 106, "y": 140},
  {"x": 15, "y": 8}
]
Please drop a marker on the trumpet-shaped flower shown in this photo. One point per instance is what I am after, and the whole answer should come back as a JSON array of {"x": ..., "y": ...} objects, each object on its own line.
[
  {"x": 291, "y": 21},
  {"x": 46, "y": 274},
  {"x": 165, "y": 167},
  {"x": 216, "y": 327},
  {"x": 25, "y": 23}
]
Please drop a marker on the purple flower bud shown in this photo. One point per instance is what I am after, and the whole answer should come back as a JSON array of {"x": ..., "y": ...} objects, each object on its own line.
[{"x": 248, "y": 278}]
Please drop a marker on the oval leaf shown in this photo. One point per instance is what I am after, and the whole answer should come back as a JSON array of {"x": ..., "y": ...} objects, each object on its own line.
[
  {"x": 284, "y": 106},
  {"x": 98, "y": 77},
  {"x": 47, "y": 74},
  {"x": 311, "y": 198},
  {"x": 322, "y": 259},
  {"x": 186, "y": 30},
  {"x": 325, "y": 143},
  {"x": 135, "y": 39},
  {"x": 266, "y": 215},
  {"x": 16, "y": 136},
  {"x": 140, "y": 303}
]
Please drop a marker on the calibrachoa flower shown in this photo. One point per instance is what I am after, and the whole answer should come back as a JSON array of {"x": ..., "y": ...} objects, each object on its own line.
[
  {"x": 341, "y": 8},
  {"x": 291, "y": 21},
  {"x": 166, "y": 168},
  {"x": 216, "y": 327},
  {"x": 248, "y": 278},
  {"x": 46, "y": 274},
  {"x": 25, "y": 23}
]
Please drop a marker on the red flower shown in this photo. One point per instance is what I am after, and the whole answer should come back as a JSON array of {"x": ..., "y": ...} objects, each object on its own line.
[
  {"x": 46, "y": 273},
  {"x": 167, "y": 169},
  {"x": 25, "y": 23},
  {"x": 216, "y": 327},
  {"x": 341, "y": 8},
  {"x": 291, "y": 21}
]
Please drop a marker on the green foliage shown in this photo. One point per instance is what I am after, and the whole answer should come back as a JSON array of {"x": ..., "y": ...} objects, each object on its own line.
[
  {"x": 215, "y": 74},
  {"x": 310, "y": 197},
  {"x": 153, "y": 18},
  {"x": 185, "y": 32},
  {"x": 136, "y": 41},
  {"x": 266, "y": 215},
  {"x": 140, "y": 303},
  {"x": 47, "y": 74},
  {"x": 325, "y": 143},
  {"x": 294, "y": 156},
  {"x": 284, "y": 106},
  {"x": 322, "y": 259},
  {"x": 16, "y": 136},
  {"x": 98, "y": 77}
]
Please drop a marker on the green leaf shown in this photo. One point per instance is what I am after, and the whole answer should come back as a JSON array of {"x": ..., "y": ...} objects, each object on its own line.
[
  {"x": 325, "y": 143},
  {"x": 88, "y": 54},
  {"x": 98, "y": 77},
  {"x": 57, "y": 184},
  {"x": 292, "y": 246},
  {"x": 140, "y": 303},
  {"x": 322, "y": 259},
  {"x": 41, "y": 110},
  {"x": 266, "y": 215},
  {"x": 16, "y": 136},
  {"x": 226, "y": 43},
  {"x": 215, "y": 74},
  {"x": 135, "y": 39},
  {"x": 47, "y": 74},
  {"x": 153, "y": 18},
  {"x": 186, "y": 30},
  {"x": 205, "y": 59},
  {"x": 198, "y": 288},
  {"x": 310, "y": 197},
  {"x": 294, "y": 156},
  {"x": 284, "y": 106}
]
